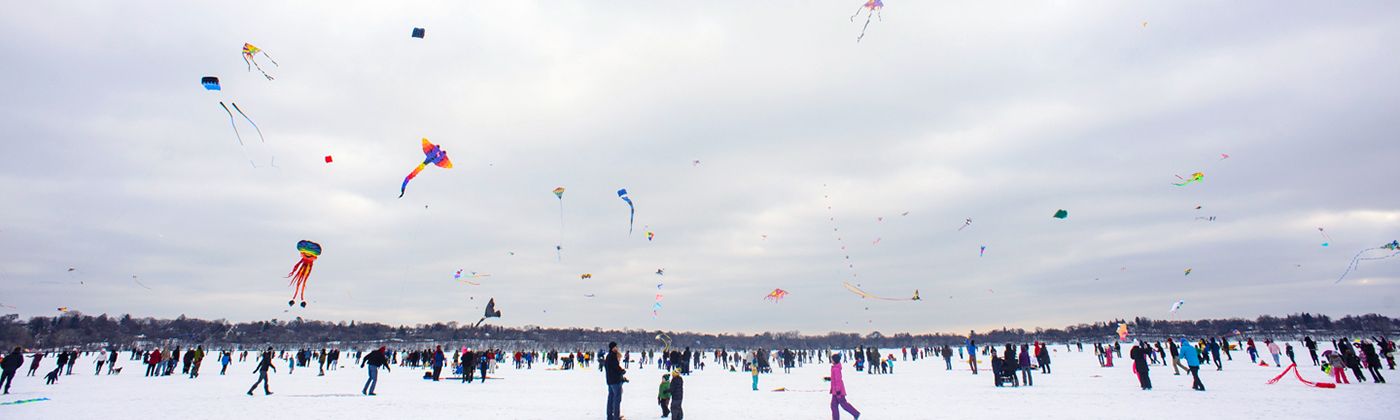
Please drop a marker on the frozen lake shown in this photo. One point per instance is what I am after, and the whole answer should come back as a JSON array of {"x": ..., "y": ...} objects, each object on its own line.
[{"x": 1078, "y": 388}]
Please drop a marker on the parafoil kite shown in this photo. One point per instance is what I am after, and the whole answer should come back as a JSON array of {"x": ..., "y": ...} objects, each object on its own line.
[
  {"x": 1391, "y": 249},
  {"x": 650, "y": 235},
  {"x": 63, "y": 309},
  {"x": 432, "y": 154},
  {"x": 418, "y": 33},
  {"x": 1196, "y": 177},
  {"x": 632, "y": 210},
  {"x": 865, "y": 295},
  {"x": 1061, "y": 214},
  {"x": 491, "y": 312},
  {"x": 210, "y": 83},
  {"x": 776, "y": 295},
  {"x": 871, "y": 7},
  {"x": 302, "y": 270},
  {"x": 249, "y": 56}
]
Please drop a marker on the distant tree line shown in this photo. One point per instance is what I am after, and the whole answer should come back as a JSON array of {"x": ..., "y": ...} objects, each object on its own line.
[{"x": 74, "y": 329}]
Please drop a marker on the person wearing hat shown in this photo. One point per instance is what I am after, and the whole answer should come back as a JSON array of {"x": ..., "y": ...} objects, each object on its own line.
[
  {"x": 375, "y": 360},
  {"x": 677, "y": 394},
  {"x": 663, "y": 396},
  {"x": 614, "y": 375},
  {"x": 264, "y": 364}
]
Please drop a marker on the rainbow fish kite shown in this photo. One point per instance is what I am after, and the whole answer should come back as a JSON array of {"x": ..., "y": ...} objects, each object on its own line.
[
  {"x": 776, "y": 295},
  {"x": 249, "y": 53},
  {"x": 302, "y": 270},
  {"x": 632, "y": 215},
  {"x": 433, "y": 154},
  {"x": 1196, "y": 177}
]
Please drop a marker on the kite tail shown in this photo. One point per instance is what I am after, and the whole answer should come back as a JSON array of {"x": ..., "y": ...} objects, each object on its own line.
[
  {"x": 853, "y": 17},
  {"x": 260, "y": 70},
  {"x": 862, "y": 29},
  {"x": 269, "y": 58},
  {"x": 250, "y": 121},
  {"x": 404, "y": 187},
  {"x": 478, "y": 323},
  {"x": 248, "y": 62},
  {"x": 231, "y": 124}
]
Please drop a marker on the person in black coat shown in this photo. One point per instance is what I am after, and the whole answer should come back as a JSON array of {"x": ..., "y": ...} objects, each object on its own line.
[
  {"x": 613, "y": 372},
  {"x": 468, "y": 366},
  {"x": 263, "y": 365},
  {"x": 677, "y": 393},
  {"x": 1373, "y": 361},
  {"x": 375, "y": 360},
  {"x": 1139, "y": 356},
  {"x": 9, "y": 366}
]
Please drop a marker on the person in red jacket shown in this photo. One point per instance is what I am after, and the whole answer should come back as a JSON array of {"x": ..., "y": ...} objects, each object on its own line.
[{"x": 152, "y": 361}]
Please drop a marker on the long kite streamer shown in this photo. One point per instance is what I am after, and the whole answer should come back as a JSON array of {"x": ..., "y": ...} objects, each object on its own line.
[
  {"x": 632, "y": 210},
  {"x": 1393, "y": 247},
  {"x": 232, "y": 124},
  {"x": 432, "y": 154},
  {"x": 250, "y": 122},
  {"x": 866, "y": 295},
  {"x": 1298, "y": 372},
  {"x": 559, "y": 247}
]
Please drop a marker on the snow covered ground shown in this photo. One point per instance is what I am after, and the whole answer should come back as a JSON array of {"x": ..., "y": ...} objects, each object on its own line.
[{"x": 1078, "y": 388}]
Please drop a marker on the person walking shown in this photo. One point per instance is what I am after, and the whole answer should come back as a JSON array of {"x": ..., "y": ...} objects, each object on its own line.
[
  {"x": 1214, "y": 350},
  {"x": 1274, "y": 351},
  {"x": 613, "y": 373},
  {"x": 1373, "y": 361},
  {"x": 838, "y": 389},
  {"x": 112, "y": 361},
  {"x": 224, "y": 360},
  {"x": 374, "y": 360},
  {"x": 1139, "y": 355},
  {"x": 1312, "y": 348},
  {"x": 264, "y": 364},
  {"x": 9, "y": 366},
  {"x": 1193, "y": 364},
  {"x": 153, "y": 363},
  {"x": 34, "y": 362},
  {"x": 101, "y": 360},
  {"x": 677, "y": 390}
]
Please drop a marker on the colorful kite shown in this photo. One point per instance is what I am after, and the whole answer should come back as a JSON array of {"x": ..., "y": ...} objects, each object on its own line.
[
  {"x": 1327, "y": 240},
  {"x": 1392, "y": 249},
  {"x": 63, "y": 309},
  {"x": 302, "y": 270},
  {"x": 650, "y": 235},
  {"x": 418, "y": 33},
  {"x": 329, "y": 159},
  {"x": 471, "y": 275},
  {"x": 210, "y": 83},
  {"x": 967, "y": 222},
  {"x": 871, "y": 7},
  {"x": 776, "y": 295},
  {"x": 1122, "y": 332},
  {"x": 632, "y": 210},
  {"x": 1188, "y": 272},
  {"x": 491, "y": 312},
  {"x": 559, "y": 247},
  {"x": 249, "y": 53},
  {"x": 1177, "y": 305},
  {"x": 432, "y": 154},
  {"x": 983, "y": 251},
  {"x": 1224, "y": 156},
  {"x": 864, "y": 295},
  {"x": 585, "y": 276},
  {"x": 1196, "y": 177},
  {"x": 1061, "y": 214}
]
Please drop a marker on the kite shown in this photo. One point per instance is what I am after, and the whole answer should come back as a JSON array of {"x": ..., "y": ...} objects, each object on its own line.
[
  {"x": 1188, "y": 272},
  {"x": 864, "y": 295},
  {"x": 329, "y": 159},
  {"x": 665, "y": 341},
  {"x": 650, "y": 235},
  {"x": 302, "y": 270},
  {"x": 1224, "y": 156},
  {"x": 875, "y": 242},
  {"x": 63, "y": 309},
  {"x": 559, "y": 247},
  {"x": 491, "y": 312},
  {"x": 1299, "y": 374},
  {"x": 632, "y": 216},
  {"x": 967, "y": 222},
  {"x": 210, "y": 83},
  {"x": 836, "y": 229},
  {"x": 983, "y": 251},
  {"x": 1208, "y": 219},
  {"x": 138, "y": 283},
  {"x": 1325, "y": 236},
  {"x": 585, "y": 276},
  {"x": 660, "y": 271},
  {"x": 1196, "y": 177},
  {"x": 695, "y": 163},
  {"x": 1122, "y": 332},
  {"x": 1393, "y": 248},
  {"x": 656, "y": 306},
  {"x": 418, "y": 33},
  {"x": 249, "y": 53},
  {"x": 590, "y": 295},
  {"x": 1177, "y": 305},
  {"x": 776, "y": 295},
  {"x": 1061, "y": 214},
  {"x": 433, "y": 154},
  {"x": 872, "y": 7},
  {"x": 473, "y": 275}
]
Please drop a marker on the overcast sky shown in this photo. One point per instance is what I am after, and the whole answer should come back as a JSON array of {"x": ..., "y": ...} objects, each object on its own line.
[{"x": 116, "y": 163}]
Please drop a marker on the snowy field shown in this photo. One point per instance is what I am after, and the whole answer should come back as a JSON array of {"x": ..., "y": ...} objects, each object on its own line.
[{"x": 1078, "y": 388}]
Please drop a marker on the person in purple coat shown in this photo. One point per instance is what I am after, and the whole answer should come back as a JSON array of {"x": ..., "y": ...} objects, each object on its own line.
[
  {"x": 838, "y": 391},
  {"x": 1025, "y": 359}
]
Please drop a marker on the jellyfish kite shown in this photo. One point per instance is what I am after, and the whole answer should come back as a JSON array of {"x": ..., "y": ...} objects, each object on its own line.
[
  {"x": 432, "y": 154},
  {"x": 491, "y": 312},
  {"x": 1196, "y": 177},
  {"x": 776, "y": 295},
  {"x": 249, "y": 57},
  {"x": 1389, "y": 250},
  {"x": 632, "y": 210},
  {"x": 871, "y": 8},
  {"x": 302, "y": 270}
]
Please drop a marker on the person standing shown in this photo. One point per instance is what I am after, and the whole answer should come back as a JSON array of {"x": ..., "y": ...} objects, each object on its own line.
[
  {"x": 468, "y": 366},
  {"x": 196, "y": 361},
  {"x": 374, "y": 360},
  {"x": 153, "y": 363},
  {"x": 1214, "y": 351},
  {"x": 1312, "y": 348},
  {"x": 677, "y": 395},
  {"x": 62, "y": 360},
  {"x": 1140, "y": 366},
  {"x": 264, "y": 363},
  {"x": 1288, "y": 350},
  {"x": 112, "y": 361},
  {"x": 9, "y": 366},
  {"x": 1193, "y": 364},
  {"x": 1042, "y": 356},
  {"x": 1025, "y": 362},
  {"x": 972, "y": 355},
  {"x": 838, "y": 390},
  {"x": 663, "y": 395},
  {"x": 438, "y": 360},
  {"x": 101, "y": 360},
  {"x": 613, "y": 373},
  {"x": 947, "y": 357},
  {"x": 753, "y": 369}
]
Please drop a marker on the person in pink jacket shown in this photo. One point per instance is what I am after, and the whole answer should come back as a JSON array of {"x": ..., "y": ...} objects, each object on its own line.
[{"x": 838, "y": 391}]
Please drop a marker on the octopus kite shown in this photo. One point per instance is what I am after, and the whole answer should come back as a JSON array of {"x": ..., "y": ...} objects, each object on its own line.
[
  {"x": 776, "y": 295},
  {"x": 1196, "y": 177},
  {"x": 872, "y": 8},
  {"x": 302, "y": 270},
  {"x": 432, "y": 154},
  {"x": 249, "y": 53}
]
